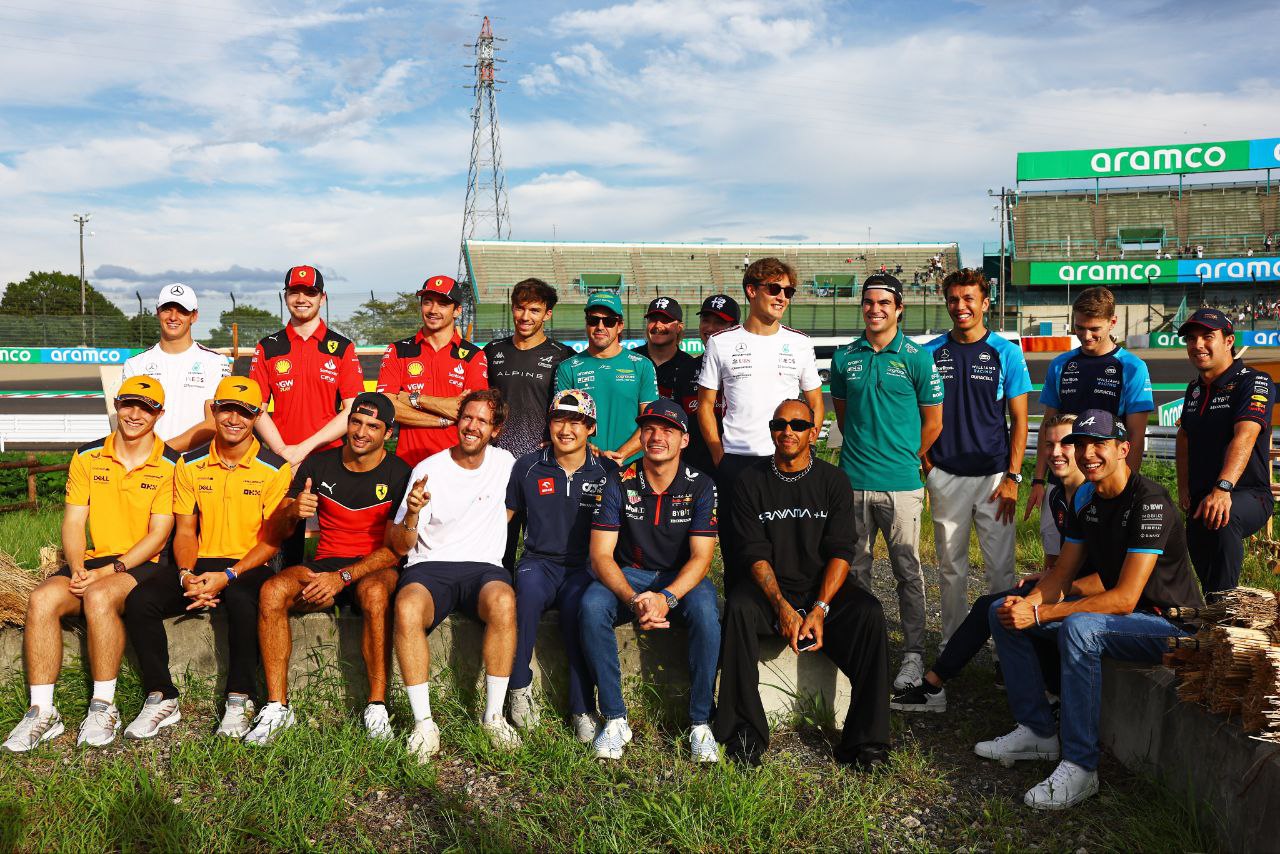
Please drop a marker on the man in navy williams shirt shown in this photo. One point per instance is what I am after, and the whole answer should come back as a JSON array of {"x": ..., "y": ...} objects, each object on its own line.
[
  {"x": 1099, "y": 374},
  {"x": 975, "y": 465}
]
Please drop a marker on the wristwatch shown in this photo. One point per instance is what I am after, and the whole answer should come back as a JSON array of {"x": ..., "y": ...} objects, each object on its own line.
[
  {"x": 118, "y": 565},
  {"x": 345, "y": 576},
  {"x": 1225, "y": 485},
  {"x": 826, "y": 609},
  {"x": 231, "y": 574},
  {"x": 413, "y": 399},
  {"x": 1014, "y": 476},
  {"x": 672, "y": 601}
]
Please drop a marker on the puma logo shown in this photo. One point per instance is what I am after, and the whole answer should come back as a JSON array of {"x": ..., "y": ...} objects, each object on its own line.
[{"x": 328, "y": 486}]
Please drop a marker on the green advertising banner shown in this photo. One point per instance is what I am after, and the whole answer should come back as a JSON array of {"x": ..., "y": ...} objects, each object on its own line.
[
  {"x": 1177, "y": 159},
  {"x": 1088, "y": 273},
  {"x": 1165, "y": 340}
]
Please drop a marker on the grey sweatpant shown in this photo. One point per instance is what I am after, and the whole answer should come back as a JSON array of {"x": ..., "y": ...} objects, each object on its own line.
[{"x": 897, "y": 516}]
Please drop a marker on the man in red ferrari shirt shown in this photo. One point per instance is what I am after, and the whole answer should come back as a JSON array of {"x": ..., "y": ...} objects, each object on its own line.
[
  {"x": 312, "y": 375},
  {"x": 428, "y": 374}
]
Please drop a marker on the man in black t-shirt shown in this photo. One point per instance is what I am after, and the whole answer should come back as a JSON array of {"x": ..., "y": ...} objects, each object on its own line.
[
  {"x": 523, "y": 367},
  {"x": 793, "y": 515},
  {"x": 676, "y": 370},
  {"x": 1127, "y": 529},
  {"x": 1224, "y": 478}
]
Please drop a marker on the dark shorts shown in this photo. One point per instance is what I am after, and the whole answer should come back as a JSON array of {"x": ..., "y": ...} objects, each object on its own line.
[
  {"x": 346, "y": 597},
  {"x": 453, "y": 586},
  {"x": 140, "y": 573}
]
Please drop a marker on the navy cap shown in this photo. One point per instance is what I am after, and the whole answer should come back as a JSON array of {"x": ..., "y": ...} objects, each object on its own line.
[
  {"x": 883, "y": 281},
  {"x": 1095, "y": 424},
  {"x": 1209, "y": 318},
  {"x": 666, "y": 307},
  {"x": 665, "y": 410},
  {"x": 723, "y": 306},
  {"x": 384, "y": 410}
]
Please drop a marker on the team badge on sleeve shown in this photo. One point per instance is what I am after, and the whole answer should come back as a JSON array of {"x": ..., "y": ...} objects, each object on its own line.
[{"x": 332, "y": 346}]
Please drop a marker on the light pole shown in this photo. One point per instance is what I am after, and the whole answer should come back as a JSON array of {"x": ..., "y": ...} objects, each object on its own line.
[{"x": 82, "y": 219}]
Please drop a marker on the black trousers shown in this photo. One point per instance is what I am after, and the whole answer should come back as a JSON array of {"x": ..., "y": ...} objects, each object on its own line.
[
  {"x": 1218, "y": 555},
  {"x": 160, "y": 597},
  {"x": 853, "y": 638},
  {"x": 293, "y": 551},
  {"x": 514, "y": 529},
  {"x": 975, "y": 631},
  {"x": 726, "y": 476}
]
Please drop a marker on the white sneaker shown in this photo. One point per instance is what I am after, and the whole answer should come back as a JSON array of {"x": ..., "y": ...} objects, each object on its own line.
[
  {"x": 612, "y": 738},
  {"x": 37, "y": 725},
  {"x": 911, "y": 673},
  {"x": 1068, "y": 785},
  {"x": 273, "y": 718},
  {"x": 917, "y": 699},
  {"x": 502, "y": 735},
  {"x": 703, "y": 744},
  {"x": 585, "y": 727},
  {"x": 524, "y": 708},
  {"x": 424, "y": 741},
  {"x": 100, "y": 726},
  {"x": 1022, "y": 743},
  {"x": 377, "y": 721},
  {"x": 156, "y": 714},
  {"x": 237, "y": 717}
]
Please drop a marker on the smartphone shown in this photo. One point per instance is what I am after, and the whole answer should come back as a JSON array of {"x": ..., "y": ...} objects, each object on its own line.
[{"x": 802, "y": 644}]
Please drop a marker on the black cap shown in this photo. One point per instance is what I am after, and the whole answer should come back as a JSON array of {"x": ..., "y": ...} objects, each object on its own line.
[
  {"x": 1209, "y": 318},
  {"x": 883, "y": 281},
  {"x": 668, "y": 307},
  {"x": 721, "y": 305},
  {"x": 665, "y": 410},
  {"x": 383, "y": 409},
  {"x": 1094, "y": 424}
]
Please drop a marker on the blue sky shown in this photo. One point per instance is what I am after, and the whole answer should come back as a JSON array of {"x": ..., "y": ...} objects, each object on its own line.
[{"x": 219, "y": 143}]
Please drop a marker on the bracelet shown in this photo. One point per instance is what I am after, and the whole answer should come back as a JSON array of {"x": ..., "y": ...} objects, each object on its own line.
[
  {"x": 1037, "y": 481},
  {"x": 182, "y": 576},
  {"x": 232, "y": 575},
  {"x": 1035, "y": 612},
  {"x": 826, "y": 609}
]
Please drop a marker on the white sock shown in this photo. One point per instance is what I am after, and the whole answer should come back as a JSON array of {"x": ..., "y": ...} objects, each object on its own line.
[
  {"x": 42, "y": 696},
  {"x": 105, "y": 691},
  {"x": 420, "y": 700},
  {"x": 495, "y": 689}
]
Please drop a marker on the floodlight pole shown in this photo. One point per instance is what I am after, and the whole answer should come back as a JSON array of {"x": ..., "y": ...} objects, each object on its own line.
[{"x": 82, "y": 219}]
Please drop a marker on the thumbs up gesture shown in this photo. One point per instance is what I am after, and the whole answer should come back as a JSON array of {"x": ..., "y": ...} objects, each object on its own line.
[
  {"x": 306, "y": 502},
  {"x": 418, "y": 496}
]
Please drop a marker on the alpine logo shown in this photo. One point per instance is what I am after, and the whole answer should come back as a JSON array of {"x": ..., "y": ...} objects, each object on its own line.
[{"x": 1088, "y": 422}]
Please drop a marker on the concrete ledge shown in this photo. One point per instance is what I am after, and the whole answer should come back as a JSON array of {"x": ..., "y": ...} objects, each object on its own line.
[
  {"x": 1232, "y": 781},
  {"x": 325, "y": 646}
]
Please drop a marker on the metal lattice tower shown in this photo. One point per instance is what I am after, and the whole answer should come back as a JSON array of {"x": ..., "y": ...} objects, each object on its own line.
[{"x": 486, "y": 207}]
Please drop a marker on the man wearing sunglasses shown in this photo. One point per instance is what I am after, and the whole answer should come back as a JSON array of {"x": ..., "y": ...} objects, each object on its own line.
[
  {"x": 312, "y": 375},
  {"x": 620, "y": 381},
  {"x": 223, "y": 497},
  {"x": 888, "y": 401},
  {"x": 677, "y": 371},
  {"x": 755, "y": 366},
  {"x": 793, "y": 515}
]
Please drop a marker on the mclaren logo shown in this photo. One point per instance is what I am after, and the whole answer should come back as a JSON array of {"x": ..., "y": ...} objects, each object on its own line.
[{"x": 240, "y": 387}]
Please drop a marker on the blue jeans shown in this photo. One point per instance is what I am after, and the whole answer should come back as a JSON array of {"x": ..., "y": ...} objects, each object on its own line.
[
  {"x": 1083, "y": 639},
  {"x": 601, "y": 613},
  {"x": 542, "y": 584}
]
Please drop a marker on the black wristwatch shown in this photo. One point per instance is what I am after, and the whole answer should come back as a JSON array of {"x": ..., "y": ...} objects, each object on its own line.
[
  {"x": 1037, "y": 481},
  {"x": 118, "y": 565},
  {"x": 1225, "y": 485},
  {"x": 1015, "y": 476}
]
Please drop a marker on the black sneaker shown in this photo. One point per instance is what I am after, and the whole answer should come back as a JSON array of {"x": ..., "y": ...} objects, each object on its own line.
[
  {"x": 999, "y": 677},
  {"x": 920, "y": 698},
  {"x": 744, "y": 749},
  {"x": 869, "y": 758}
]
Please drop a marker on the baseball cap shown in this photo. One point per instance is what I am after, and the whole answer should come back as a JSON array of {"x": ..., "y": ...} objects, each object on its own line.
[
  {"x": 178, "y": 294},
  {"x": 1209, "y": 318},
  {"x": 722, "y": 305},
  {"x": 444, "y": 286},
  {"x": 304, "y": 277},
  {"x": 667, "y": 307},
  {"x": 573, "y": 401},
  {"x": 1096, "y": 424},
  {"x": 240, "y": 391},
  {"x": 665, "y": 410},
  {"x": 143, "y": 389},
  {"x": 383, "y": 409},
  {"x": 882, "y": 281},
  {"x": 605, "y": 299}
]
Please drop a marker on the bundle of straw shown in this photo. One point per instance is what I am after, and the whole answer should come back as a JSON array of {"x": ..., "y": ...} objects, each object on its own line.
[
  {"x": 1190, "y": 659},
  {"x": 16, "y": 585},
  {"x": 1247, "y": 607},
  {"x": 1232, "y": 658},
  {"x": 1260, "y": 710}
]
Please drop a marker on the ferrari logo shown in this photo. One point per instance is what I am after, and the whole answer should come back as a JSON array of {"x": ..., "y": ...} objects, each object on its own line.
[
  {"x": 283, "y": 366},
  {"x": 301, "y": 274},
  {"x": 462, "y": 352},
  {"x": 380, "y": 490},
  {"x": 331, "y": 346},
  {"x": 414, "y": 369}
]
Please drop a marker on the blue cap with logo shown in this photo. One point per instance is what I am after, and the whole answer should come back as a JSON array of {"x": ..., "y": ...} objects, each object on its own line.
[
  {"x": 605, "y": 299},
  {"x": 667, "y": 410},
  {"x": 1209, "y": 318},
  {"x": 1094, "y": 425}
]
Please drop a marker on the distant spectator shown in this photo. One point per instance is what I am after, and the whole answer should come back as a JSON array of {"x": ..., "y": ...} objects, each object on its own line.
[
  {"x": 1199, "y": 250},
  {"x": 1248, "y": 253}
]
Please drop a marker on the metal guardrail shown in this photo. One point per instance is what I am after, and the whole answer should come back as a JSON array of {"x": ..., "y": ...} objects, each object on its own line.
[{"x": 52, "y": 429}]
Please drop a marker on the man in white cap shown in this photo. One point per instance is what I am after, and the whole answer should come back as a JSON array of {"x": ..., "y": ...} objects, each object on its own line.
[{"x": 189, "y": 372}]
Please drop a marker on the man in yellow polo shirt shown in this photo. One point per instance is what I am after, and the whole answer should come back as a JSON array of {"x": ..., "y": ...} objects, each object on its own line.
[
  {"x": 224, "y": 494},
  {"x": 122, "y": 488}
]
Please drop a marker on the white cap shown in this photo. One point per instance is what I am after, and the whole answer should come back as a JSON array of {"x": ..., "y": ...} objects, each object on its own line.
[{"x": 183, "y": 295}]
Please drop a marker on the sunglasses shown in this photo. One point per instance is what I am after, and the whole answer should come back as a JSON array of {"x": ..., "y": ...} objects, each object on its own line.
[
  {"x": 609, "y": 322},
  {"x": 773, "y": 289},
  {"x": 797, "y": 425},
  {"x": 306, "y": 292}
]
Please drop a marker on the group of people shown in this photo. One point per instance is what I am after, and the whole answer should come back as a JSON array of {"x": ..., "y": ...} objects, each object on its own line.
[{"x": 527, "y": 477}]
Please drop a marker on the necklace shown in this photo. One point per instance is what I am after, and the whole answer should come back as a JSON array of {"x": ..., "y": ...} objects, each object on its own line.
[{"x": 773, "y": 463}]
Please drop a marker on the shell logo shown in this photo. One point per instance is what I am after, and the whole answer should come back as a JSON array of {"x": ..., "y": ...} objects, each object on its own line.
[
  {"x": 283, "y": 366},
  {"x": 414, "y": 369}
]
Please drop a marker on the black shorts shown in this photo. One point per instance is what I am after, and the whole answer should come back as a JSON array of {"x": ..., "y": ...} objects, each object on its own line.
[
  {"x": 140, "y": 573},
  {"x": 346, "y": 596},
  {"x": 453, "y": 586}
]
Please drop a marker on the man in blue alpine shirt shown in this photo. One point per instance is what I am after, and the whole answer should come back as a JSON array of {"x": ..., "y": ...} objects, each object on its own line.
[
  {"x": 1127, "y": 529},
  {"x": 1224, "y": 481},
  {"x": 1099, "y": 374},
  {"x": 975, "y": 465},
  {"x": 651, "y": 545}
]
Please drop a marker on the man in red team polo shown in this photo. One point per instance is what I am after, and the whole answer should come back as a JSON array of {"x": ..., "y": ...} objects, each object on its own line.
[
  {"x": 312, "y": 375},
  {"x": 428, "y": 374}
]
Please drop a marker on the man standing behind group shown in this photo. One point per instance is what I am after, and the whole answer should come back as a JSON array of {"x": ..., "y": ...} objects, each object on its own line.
[
  {"x": 523, "y": 367},
  {"x": 888, "y": 402},
  {"x": 719, "y": 311},
  {"x": 620, "y": 381},
  {"x": 1224, "y": 437},
  {"x": 756, "y": 366},
  {"x": 676, "y": 370},
  {"x": 975, "y": 465},
  {"x": 189, "y": 372},
  {"x": 312, "y": 374},
  {"x": 429, "y": 373}
]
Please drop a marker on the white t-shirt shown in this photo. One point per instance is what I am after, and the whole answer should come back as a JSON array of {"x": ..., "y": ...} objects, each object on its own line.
[
  {"x": 189, "y": 379},
  {"x": 756, "y": 373},
  {"x": 466, "y": 518}
]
